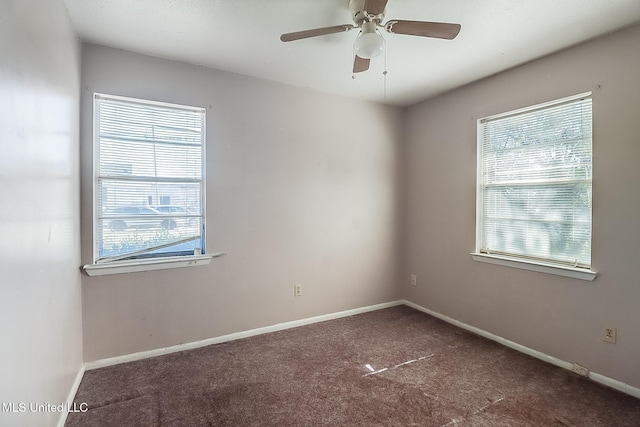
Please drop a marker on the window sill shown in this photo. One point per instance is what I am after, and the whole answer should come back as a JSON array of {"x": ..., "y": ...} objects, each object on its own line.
[
  {"x": 131, "y": 266},
  {"x": 575, "y": 273}
]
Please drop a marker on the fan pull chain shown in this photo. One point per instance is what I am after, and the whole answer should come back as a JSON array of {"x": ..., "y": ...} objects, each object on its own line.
[{"x": 384, "y": 73}]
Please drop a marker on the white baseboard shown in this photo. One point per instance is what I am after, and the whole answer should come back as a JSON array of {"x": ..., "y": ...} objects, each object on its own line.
[
  {"x": 599, "y": 378},
  {"x": 235, "y": 336},
  {"x": 618, "y": 385},
  {"x": 71, "y": 396}
]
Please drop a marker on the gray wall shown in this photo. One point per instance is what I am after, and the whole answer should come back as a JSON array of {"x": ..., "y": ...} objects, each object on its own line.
[
  {"x": 40, "y": 304},
  {"x": 559, "y": 316},
  {"x": 301, "y": 188}
]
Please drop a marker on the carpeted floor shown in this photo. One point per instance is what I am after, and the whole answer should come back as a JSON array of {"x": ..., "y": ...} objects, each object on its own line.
[{"x": 392, "y": 367}]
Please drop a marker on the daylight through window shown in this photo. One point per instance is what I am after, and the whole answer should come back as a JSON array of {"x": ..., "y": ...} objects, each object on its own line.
[
  {"x": 534, "y": 183},
  {"x": 149, "y": 183}
]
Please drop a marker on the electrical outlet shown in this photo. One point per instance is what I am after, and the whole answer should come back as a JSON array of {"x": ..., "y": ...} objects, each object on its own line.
[
  {"x": 610, "y": 335},
  {"x": 414, "y": 280},
  {"x": 580, "y": 370},
  {"x": 297, "y": 290}
]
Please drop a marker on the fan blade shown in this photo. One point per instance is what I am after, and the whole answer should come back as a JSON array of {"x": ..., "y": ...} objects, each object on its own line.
[
  {"x": 438, "y": 30},
  {"x": 375, "y": 7},
  {"x": 360, "y": 64},
  {"x": 315, "y": 32}
]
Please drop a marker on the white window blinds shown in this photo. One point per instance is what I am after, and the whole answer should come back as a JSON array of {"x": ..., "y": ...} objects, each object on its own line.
[
  {"x": 534, "y": 189},
  {"x": 150, "y": 186}
]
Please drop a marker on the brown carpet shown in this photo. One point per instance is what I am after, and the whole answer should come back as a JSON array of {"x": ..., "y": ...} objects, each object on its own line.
[{"x": 392, "y": 367}]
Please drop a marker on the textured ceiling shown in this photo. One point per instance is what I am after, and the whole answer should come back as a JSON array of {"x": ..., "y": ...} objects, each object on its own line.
[{"x": 242, "y": 36}]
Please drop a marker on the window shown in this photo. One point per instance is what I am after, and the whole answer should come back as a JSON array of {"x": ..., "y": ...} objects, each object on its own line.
[
  {"x": 534, "y": 185},
  {"x": 149, "y": 171}
]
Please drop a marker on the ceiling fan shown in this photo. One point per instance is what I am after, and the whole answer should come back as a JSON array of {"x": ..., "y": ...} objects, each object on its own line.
[{"x": 367, "y": 16}]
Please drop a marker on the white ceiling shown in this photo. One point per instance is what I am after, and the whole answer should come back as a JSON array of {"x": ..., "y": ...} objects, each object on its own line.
[{"x": 242, "y": 36}]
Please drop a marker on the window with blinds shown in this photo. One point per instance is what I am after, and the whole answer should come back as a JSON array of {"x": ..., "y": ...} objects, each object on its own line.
[
  {"x": 534, "y": 183},
  {"x": 149, "y": 179}
]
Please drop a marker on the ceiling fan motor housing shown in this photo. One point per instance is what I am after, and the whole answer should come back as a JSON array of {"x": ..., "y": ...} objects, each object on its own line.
[{"x": 358, "y": 13}]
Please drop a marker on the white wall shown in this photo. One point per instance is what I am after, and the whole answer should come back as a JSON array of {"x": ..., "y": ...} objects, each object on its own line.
[
  {"x": 301, "y": 188},
  {"x": 40, "y": 303},
  {"x": 559, "y": 316}
]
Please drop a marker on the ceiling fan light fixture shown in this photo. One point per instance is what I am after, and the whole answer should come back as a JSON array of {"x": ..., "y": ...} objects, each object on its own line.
[{"x": 369, "y": 45}]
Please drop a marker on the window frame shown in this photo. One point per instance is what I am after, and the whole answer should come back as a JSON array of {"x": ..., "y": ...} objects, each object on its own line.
[
  {"x": 513, "y": 260},
  {"x": 142, "y": 262}
]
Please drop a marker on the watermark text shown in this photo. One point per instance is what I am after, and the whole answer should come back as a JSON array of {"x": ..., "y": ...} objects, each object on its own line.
[{"x": 22, "y": 407}]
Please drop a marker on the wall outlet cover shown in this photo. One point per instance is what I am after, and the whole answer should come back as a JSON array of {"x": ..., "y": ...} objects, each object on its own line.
[
  {"x": 297, "y": 290},
  {"x": 610, "y": 335}
]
